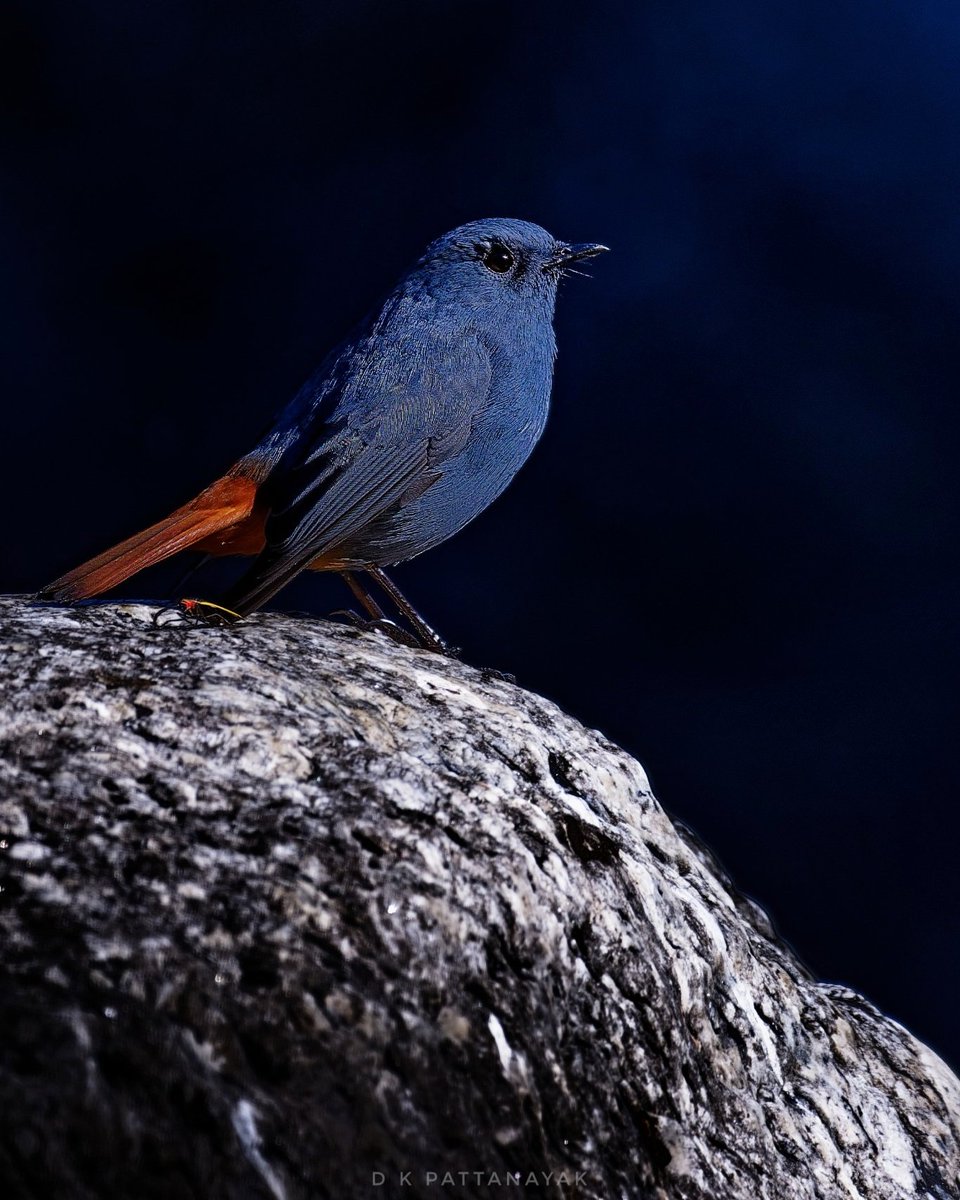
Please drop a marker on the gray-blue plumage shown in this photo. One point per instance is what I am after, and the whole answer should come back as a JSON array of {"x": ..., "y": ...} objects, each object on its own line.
[{"x": 418, "y": 422}]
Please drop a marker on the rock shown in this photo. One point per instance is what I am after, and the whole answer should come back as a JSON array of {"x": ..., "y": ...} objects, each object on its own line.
[{"x": 289, "y": 910}]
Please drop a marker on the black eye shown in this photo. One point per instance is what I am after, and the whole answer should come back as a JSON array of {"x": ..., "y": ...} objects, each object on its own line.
[{"x": 498, "y": 258}]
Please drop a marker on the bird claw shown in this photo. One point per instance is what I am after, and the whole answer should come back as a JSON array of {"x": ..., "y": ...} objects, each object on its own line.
[
  {"x": 409, "y": 637},
  {"x": 350, "y": 616},
  {"x": 492, "y": 675},
  {"x": 396, "y": 633},
  {"x": 393, "y": 631}
]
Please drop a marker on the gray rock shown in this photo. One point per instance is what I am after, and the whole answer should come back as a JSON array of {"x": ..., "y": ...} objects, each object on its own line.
[{"x": 286, "y": 905}]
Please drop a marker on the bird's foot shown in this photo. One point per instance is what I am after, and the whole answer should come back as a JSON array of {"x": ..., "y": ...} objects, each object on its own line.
[
  {"x": 195, "y": 612},
  {"x": 379, "y": 625},
  {"x": 495, "y": 676},
  {"x": 350, "y": 617},
  {"x": 396, "y": 633}
]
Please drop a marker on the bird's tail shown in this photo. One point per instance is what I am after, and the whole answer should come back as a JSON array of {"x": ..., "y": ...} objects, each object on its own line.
[{"x": 222, "y": 519}]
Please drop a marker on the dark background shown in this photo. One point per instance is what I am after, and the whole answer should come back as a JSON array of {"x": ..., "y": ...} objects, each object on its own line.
[{"x": 734, "y": 549}]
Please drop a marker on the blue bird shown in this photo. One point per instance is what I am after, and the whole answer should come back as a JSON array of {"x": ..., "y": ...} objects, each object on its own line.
[{"x": 407, "y": 431}]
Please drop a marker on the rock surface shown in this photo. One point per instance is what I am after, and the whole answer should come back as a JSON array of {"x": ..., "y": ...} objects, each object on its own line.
[{"x": 288, "y": 911}]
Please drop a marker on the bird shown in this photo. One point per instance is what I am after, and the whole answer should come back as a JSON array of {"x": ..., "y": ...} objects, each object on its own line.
[{"x": 406, "y": 432}]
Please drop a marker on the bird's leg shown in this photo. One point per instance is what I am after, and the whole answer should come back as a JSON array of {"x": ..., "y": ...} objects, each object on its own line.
[
  {"x": 378, "y": 618},
  {"x": 361, "y": 593},
  {"x": 429, "y": 638}
]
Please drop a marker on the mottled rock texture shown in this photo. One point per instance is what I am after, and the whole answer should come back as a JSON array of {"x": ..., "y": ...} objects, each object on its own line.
[{"x": 285, "y": 905}]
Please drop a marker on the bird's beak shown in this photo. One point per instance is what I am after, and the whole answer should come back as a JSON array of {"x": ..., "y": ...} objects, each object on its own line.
[{"x": 566, "y": 255}]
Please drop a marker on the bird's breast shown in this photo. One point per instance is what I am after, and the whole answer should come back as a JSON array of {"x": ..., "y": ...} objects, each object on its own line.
[{"x": 502, "y": 435}]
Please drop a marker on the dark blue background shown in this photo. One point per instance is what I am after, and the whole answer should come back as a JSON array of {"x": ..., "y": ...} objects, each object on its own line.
[{"x": 735, "y": 549}]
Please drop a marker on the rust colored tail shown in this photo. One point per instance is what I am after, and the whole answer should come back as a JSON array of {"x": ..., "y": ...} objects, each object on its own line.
[{"x": 223, "y": 519}]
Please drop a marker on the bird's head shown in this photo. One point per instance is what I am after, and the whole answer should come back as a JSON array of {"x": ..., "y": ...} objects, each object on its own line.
[{"x": 502, "y": 260}]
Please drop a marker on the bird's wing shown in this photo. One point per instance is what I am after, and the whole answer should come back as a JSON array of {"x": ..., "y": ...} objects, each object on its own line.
[{"x": 402, "y": 414}]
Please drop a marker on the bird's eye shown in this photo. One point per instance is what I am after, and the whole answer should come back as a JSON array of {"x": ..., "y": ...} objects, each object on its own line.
[{"x": 497, "y": 258}]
